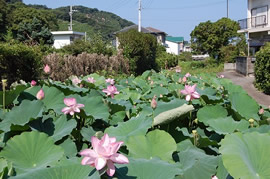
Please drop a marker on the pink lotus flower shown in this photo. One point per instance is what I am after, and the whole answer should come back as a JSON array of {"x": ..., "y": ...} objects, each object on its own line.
[
  {"x": 188, "y": 75},
  {"x": 180, "y": 80},
  {"x": 109, "y": 80},
  {"x": 111, "y": 90},
  {"x": 261, "y": 111},
  {"x": 75, "y": 80},
  {"x": 190, "y": 92},
  {"x": 178, "y": 70},
  {"x": 47, "y": 69},
  {"x": 40, "y": 95},
  {"x": 33, "y": 83},
  {"x": 214, "y": 177},
  {"x": 154, "y": 102},
  {"x": 91, "y": 80},
  {"x": 72, "y": 106},
  {"x": 221, "y": 76},
  {"x": 103, "y": 154}
]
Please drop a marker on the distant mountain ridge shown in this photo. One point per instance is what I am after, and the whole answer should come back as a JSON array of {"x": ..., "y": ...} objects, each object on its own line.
[{"x": 90, "y": 20}]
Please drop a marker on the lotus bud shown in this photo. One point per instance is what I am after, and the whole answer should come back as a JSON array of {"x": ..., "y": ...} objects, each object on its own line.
[
  {"x": 180, "y": 80},
  {"x": 161, "y": 95},
  {"x": 154, "y": 102},
  {"x": 149, "y": 78},
  {"x": 261, "y": 111},
  {"x": 126, "y": 81},
  {"x": 40, "y": 95},
  {"x": 152, "y": 83},
  {"x": 47, "y": 69},
  {"x": 184, "y": 79},
  {"x": 161, "y": 85},
  {"x": 33, "y": 83}
]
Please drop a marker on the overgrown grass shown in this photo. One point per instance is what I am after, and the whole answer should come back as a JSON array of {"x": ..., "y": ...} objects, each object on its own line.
[{"x": 198, "y": 67}]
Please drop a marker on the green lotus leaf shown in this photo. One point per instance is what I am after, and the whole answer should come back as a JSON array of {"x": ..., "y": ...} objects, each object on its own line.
[
  {"x": 147, "y": 169},
  {"x": 61, "y": 172},
  {"x": 20, "y": 115},
  {"x": 95, "y": 106},
  {"x": 171, "y": 115},
  {"x": 227, "y": 125},
  {"x": 248, "y": 110},
  {"x": 245, "y": 156},
  {"x": 156, "y": 143},
  {"x": 133, "y": 127},
  {"x": 54, "y": 99},
  {"x": 69, "y": 147},
  {"x": 11, "y": 95},
  {"x": 196, "y": 164},
  {"x": 166, "y": 106},
  {"x": 210, "y": 113},
  {"x": 57, "y": 128},
  {"x": 68, "y": 89},
  {"x": 31, "y": 151}
]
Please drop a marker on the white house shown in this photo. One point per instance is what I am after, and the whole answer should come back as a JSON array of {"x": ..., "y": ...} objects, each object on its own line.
[
  {"x": 62, "y": 38},
  {"x": 257, "y": 23},
  {"x": 174, "y": 45}
]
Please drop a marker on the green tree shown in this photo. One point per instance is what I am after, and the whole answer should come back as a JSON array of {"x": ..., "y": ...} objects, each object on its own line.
[
  {"x": 140, "y": 49},
  {"x": 209, "y": 37},
  {"x": 3, "y": 19},
  {"x": 34, "y": 33}
]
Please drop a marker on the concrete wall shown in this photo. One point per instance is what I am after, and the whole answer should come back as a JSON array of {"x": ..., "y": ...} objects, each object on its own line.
[{"x": 245, "y": 65}]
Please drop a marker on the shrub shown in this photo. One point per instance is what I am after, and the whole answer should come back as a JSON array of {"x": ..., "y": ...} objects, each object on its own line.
[
  {"x": 19, "y": 61},
  {"x": 140, "y": 49},
  {"x": 262, "y": 69},
  {"x": 228, "y": 54},
  {"x": 166, "y": 60},
  {"x": 95, "y": 45},
  {"x": 185, "y": 56},
  {"x": 63, "y": 67}
]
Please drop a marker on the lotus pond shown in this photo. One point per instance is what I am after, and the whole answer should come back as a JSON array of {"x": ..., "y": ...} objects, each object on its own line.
[{"x": 163, "y": 125}]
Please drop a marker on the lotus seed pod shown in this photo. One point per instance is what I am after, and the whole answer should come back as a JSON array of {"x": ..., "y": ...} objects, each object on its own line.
[
  {"x": 194, "y": 132},
  {"x": 196, "y": 121},
  {"x": 99, "y": 134}
]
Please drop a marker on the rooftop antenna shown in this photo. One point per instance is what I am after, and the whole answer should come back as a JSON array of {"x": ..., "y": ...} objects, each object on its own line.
[{"x": 71, "y": 11}]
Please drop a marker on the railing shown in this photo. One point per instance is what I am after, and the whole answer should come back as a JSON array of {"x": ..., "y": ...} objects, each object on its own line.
[{"x": 254, "y": 22}]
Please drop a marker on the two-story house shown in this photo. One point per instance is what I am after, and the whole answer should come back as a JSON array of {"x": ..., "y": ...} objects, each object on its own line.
[{"x": 257, "y": 24}]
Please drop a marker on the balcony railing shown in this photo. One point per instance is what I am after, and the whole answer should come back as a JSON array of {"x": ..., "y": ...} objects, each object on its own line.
[{"x": 254, "y": 22}]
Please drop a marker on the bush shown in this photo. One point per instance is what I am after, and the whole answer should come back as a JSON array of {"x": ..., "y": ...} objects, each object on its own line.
[
  {"x": 140, "y": 49},
  {"x": 63, "y": 67},
  {"x": 95, "y": 45},
  {"x": 185, "y": 56},
  {"x": 262, "y": 69},
  {"x": 19, "y": 61},
  {"x": 166, "y": 60},
  {"x": 228, "y": 54}
]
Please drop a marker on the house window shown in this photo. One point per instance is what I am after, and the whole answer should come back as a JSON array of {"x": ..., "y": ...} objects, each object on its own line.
[
  {"x": 71, "y": 38},
  {"x": 259, "y": 16}
]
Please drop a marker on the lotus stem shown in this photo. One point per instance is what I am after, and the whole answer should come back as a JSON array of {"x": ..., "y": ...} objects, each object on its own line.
[
  {"x": 195, "y": 135},
  {"x": 4, "y": 84}
]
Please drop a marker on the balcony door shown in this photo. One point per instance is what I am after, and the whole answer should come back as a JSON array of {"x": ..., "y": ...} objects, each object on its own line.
[{"x": 259, "y": 16}]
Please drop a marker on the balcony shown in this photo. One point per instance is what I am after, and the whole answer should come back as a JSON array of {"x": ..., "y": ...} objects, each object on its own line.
[{"x": 254, "y": 22}]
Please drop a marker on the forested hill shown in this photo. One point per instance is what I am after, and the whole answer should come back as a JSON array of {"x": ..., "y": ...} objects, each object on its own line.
[{"x": 87, "y": 19}]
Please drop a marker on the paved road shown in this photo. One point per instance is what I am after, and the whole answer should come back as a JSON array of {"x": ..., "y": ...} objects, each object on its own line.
[{"x": 247, "y": 83}]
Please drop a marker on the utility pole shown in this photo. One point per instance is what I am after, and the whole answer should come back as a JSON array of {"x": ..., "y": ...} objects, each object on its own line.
[
  {"x": 71, "y": 11},
  {"x": 140, "y": 16},
  {"x": 227, "y": 8}
]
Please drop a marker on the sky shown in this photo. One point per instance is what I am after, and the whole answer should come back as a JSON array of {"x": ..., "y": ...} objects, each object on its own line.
[{"x": 175, "y": 17}]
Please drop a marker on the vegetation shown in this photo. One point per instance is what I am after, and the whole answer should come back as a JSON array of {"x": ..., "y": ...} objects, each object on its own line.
[
  {"x": 19, "y": 61},
  {"x": 197, "y": 129},
  {"x": 209, "y": 38},
  {"x": 140, "y": 49},
  {"x": 262, "y": 69},
  {"x": 165, "y": 60}
]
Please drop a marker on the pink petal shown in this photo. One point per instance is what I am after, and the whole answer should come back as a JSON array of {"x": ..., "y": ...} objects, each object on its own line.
[
  {"x": 116, "y": 146},
  {"x": 80, "y": 105},
  {"x": 112, "y": 139},
  {"x": 111, "y": 168},
  {"x": 119, "y": 158},
  {"x": 100, "y": 163},
  {"x": 196, "y": 95},
  {"x": 105, "y": 140},
  {"x": 193, "y": 88},
  {"x": 95, "y": 142},
  {"x": 66, "y": 110},
  {"x": 70, "y": 101},
  {"x": 184, "y": 92},
  {"x": 188, "y": 97},
  {"x": 87, "y": 161},
  {"x": 71, "y": 113},
  {"x": 76, "y": 109},
  {"x": 89, "y": 153}
]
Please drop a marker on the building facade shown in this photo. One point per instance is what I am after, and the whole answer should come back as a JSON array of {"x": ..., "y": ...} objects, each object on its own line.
[
  {"x": 257, "y": 24},
  {"x": 63, "y": 38},
  {"x": 174, "y": 45}
]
